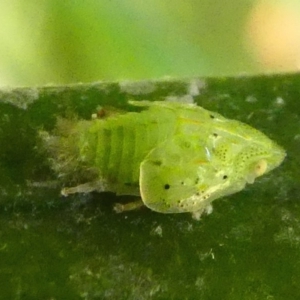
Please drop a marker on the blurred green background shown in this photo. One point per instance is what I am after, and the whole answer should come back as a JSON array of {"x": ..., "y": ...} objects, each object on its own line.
[{"x": 57, "y": 42}]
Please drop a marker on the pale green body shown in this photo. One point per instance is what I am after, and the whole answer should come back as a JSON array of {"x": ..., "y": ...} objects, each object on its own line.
[
  {"x": 116, "y": 146},
  {"x": 178, "y": 157}
]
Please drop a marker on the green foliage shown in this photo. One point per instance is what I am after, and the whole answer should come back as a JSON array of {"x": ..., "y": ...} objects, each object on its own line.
[
  {"x": 80, "y": 41},
  {"x": 79, "y": 248}
]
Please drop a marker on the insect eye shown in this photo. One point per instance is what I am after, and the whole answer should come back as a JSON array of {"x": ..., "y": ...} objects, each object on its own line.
[{"x": 260, "y": 167}]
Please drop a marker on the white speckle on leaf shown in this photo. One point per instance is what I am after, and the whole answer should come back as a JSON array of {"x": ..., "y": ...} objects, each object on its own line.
[
  {"x": 137, "y": 88},
  {"x": 200, "y": 283},
  {"x": 86, "y": 276},
  {"x": 289, "y": 231},
  {"x": 288, "y": 235},
  {"x": 203, "y": 256},
  {"x": 157, "y": 231},
  {"x": 279, "y": 101},
  {"x": 251, "y": 99},
  {"x": 195, "y": 86},
  {"x": 84, "y": 97},
  {"x": 297, "y": 137}
]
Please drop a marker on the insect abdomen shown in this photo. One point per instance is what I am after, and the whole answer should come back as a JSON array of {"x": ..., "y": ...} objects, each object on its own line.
[{"x": 124, "y": 141}]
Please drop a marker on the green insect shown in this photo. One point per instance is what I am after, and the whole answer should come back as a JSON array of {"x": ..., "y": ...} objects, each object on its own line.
[{"x": 177, "y": 157}]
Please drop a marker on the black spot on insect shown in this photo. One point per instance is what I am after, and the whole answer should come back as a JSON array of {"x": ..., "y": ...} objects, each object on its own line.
[
  {"x": 167, "y": 186},
  {"x": 215, "y": 134},
  {"x": 166, "y": 203},
  {"x": 198, "y": 194},
  {"x": 197, "y": 180},
  {"x": 157, "y": 162},
  {"x": 212, "y": 116},
  {"x": 225, "y": 177},
  {"x": 182, "y": 182}
]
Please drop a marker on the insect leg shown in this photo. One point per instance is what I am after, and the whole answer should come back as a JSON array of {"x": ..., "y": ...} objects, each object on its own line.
[
  {"x": 119, "y": 208},
  {"x": 196, "y": 215},
  {"x": 84, "y": 188}
]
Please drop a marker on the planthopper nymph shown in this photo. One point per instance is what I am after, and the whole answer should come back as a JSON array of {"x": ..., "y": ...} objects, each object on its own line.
[{"x": 177, "y": 157}]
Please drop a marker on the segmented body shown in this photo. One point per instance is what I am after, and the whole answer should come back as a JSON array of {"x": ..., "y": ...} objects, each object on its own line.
[{"x": 117, "y": 146}]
